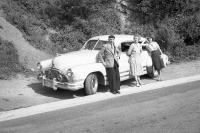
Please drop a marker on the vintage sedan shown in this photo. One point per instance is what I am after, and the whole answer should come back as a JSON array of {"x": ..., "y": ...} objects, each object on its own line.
[{"x": 82, "y": 69}]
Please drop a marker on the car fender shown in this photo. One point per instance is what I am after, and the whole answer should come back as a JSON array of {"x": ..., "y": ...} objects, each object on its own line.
[
  {"x": 81, "y": 72},
  {"x": 44, "y": 65}
]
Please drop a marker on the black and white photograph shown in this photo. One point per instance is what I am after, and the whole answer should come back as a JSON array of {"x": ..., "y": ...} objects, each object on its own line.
[{"x": 99, "y": 66}]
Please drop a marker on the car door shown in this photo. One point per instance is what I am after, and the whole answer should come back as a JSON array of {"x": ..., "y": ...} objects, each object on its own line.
[
  {"x": 124, "y": 66},
  {"x": 146, "y": 59}
]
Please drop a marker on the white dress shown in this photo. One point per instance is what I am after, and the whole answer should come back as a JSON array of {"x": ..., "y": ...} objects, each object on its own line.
[{"x": 135, "y": 59}]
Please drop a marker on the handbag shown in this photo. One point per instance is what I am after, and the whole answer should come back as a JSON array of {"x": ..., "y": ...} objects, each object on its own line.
[{"x": 163, "y": 61}]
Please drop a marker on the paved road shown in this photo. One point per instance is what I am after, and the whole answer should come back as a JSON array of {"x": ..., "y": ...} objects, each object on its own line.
[{"x": 173, "y": 109}]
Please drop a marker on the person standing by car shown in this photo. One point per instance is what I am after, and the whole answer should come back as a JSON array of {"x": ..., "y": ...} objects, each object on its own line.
[
  {"x": 109, "y": 55},
  {"x": 134, "y": 52},
  {"x": 156, "y": 53}
]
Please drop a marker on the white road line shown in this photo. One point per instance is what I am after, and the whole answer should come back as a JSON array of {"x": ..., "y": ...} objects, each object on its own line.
[{"x": 24, "y": 112}]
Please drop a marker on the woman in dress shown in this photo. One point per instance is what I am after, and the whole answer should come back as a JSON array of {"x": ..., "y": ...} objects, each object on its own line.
[
  {"x": 156, "y": 53},
  {"x": 135, "y": 60}
]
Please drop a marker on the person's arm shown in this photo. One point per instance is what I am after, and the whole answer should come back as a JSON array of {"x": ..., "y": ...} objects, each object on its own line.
[
  {"x": 148, "y": 47},
  {"x": 159, "y": 49},
  {"x": 143, "y": 42},
  {"x": 140, "y": 48},
  {"x": 118, "y": 53},
  {"x": 130, "y": 50}
]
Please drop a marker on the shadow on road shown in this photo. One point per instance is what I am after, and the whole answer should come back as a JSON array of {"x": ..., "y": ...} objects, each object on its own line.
[
  {"x": 67, "y": 94},
  {"x": 132, "y": 82},
  {"x": 60, "y": 93}
]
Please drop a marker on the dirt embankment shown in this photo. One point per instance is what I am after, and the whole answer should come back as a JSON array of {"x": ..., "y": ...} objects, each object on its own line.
[{"x": 28, "y": 55}]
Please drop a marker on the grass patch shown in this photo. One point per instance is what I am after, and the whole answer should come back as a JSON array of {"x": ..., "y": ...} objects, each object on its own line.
[{"x": 9, "y": 63}]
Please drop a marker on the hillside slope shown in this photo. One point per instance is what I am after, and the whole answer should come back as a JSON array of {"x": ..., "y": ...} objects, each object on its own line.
[{"x": 28, "y": 55}]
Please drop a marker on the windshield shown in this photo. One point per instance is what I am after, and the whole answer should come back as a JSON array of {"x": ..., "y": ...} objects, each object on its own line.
[{"x": 94, "y": 44}]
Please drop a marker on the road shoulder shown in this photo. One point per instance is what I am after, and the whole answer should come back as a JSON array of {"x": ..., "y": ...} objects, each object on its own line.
[{"x": 24, "y": 112}]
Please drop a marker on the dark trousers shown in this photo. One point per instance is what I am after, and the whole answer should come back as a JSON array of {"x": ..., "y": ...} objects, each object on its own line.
[{"x": 113, "y": 78}]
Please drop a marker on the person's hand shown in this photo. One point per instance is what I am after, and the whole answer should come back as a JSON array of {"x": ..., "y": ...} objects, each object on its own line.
[
  {"x": 118, "y": 57},
  {"x": 104, "y": 63}
]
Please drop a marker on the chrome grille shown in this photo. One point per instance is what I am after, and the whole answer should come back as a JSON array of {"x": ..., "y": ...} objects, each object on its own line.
[{"x": 53, "y": 73}]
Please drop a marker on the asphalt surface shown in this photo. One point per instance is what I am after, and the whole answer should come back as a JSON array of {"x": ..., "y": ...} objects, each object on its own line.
[{"x": 173, "y": 109}]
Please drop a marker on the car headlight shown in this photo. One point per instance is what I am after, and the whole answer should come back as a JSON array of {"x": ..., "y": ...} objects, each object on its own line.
[{"x": 70, "y": 75}]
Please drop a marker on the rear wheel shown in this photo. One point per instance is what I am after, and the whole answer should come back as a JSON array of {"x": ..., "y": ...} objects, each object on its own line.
[{"x": 91, "y": 84}]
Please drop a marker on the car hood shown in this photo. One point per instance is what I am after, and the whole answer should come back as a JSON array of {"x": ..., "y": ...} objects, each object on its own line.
[{"x": 76, "y": 58}]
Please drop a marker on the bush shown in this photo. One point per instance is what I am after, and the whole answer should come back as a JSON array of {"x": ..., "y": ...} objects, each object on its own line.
[
  {"x": 104, "y": 24},
  {"x": 9, "y": 63},
  {"x": 173, "y": 32},
  {"x": 189, "y": 28},
  {"x": 73, "y": 20},
  {"x": 67, "y": 40},
  {"x": 174, "y": 24}
]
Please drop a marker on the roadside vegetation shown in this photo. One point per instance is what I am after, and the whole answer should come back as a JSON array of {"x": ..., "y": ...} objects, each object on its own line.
[
  {"x": 64, "y": 25},
  {"x": 174, "y": 24},
  {"x": 58, "y": 26},
  {"x": 9, "y": 63},
  {"x": 61, "y": 25}
]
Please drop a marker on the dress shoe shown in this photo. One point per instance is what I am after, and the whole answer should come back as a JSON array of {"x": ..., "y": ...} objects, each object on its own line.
[
  {"x": 159, "y": 79},
  {"x": 138, "y": 85},
  {"x": 113, "y": 92},
  {"x": 118, "y": 91},
  {"x": 141, "y": 83}
]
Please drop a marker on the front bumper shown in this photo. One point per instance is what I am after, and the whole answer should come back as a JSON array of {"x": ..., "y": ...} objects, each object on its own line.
[{"x": 67, "y": 86}]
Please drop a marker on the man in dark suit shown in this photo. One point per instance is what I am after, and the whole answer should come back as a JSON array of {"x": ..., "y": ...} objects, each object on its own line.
[{"x": 109, "y": 55}]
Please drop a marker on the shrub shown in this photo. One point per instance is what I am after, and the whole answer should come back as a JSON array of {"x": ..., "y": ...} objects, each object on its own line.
[
  {"x": 73, "y": 20},
  {"x": 174, "y": 24},
  {"x": 189, "y": 28},
  {"x": 9, "y": 63},
  {"x": 69, "y": 39}
]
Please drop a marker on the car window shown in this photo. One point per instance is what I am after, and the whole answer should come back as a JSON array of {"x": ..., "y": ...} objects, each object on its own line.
[
  {"x": 100, "y": 44},
  {"x": 94, "y": 44},
  {"x": 125, "y": 46},
  {"x": 90, "y": 44}
]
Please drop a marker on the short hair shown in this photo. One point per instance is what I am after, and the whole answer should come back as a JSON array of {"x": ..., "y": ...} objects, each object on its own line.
[
  {"x": 148, "y": 38},
  {"x": 111, "y": 36},
  {"x": 152, "y": 37}
]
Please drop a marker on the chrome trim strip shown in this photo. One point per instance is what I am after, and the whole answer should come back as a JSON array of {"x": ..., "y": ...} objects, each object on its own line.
[{"x": 68, "y": 86}]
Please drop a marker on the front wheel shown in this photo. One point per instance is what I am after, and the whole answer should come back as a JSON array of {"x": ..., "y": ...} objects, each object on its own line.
[{"x": 91, "y": 84}]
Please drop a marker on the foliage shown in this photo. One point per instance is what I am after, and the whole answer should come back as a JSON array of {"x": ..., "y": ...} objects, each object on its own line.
[
  {"x": 154, "y": 11},
  {"x": 64, "y": 25},
  {"x": 175, "y": 24},
  {"x": 9, "y": 63},
  {"x": 73, "y": 21}
]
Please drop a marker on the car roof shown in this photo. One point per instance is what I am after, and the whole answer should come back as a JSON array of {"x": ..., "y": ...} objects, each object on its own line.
[{"x": 117, "y": 37}]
